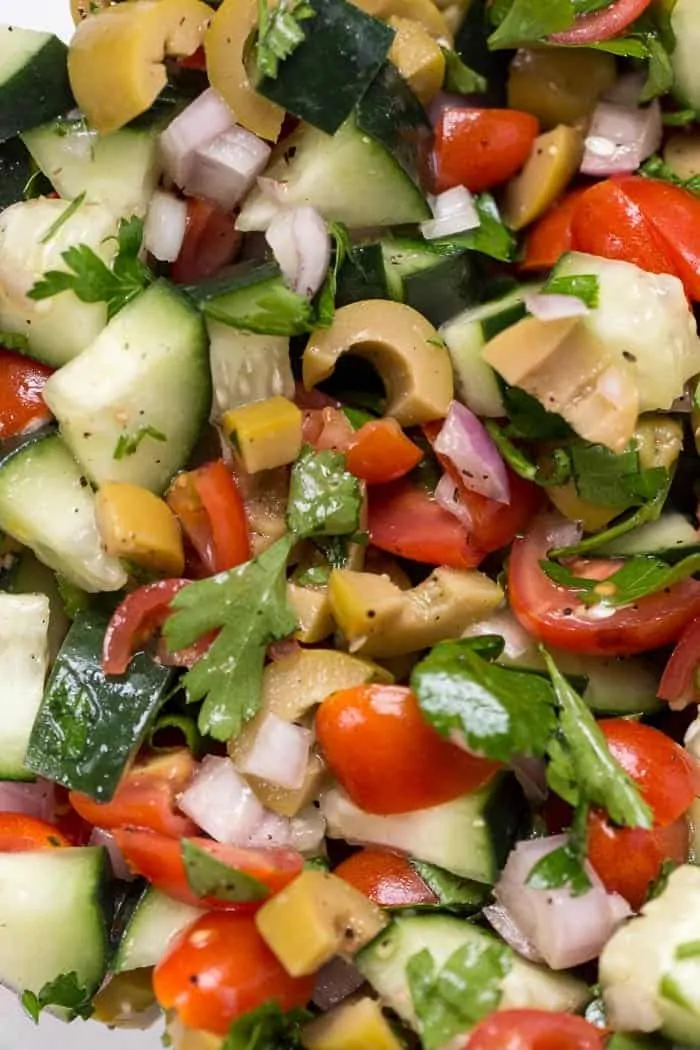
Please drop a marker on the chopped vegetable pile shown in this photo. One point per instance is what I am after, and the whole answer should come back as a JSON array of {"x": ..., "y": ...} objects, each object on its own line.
[{"x": 349, "y": 523}]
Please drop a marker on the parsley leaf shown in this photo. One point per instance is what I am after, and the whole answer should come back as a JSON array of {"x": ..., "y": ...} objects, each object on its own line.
[
  {"x": 249, "y": 607},
  {"x": 499, "y": 712},
  {"x": 127, "y": 444},
  {"x": 657, "y": 168},
  {"x": 14, "y": 341},
  {"x": 325, "y": 311},
  {"x": 454, "y": 893},
  {"x": 563, "y": 866},
  {"x": 208, "y": 876},
  {"x": 92, "y": 280},
  {"x": 529, "y": 419},
  {"x": 491, "y": 237},
  {"x": 279, "y": 33},
  {"x": 636, "y": 578},
  {"x": 459, "y": 77},
  {"x": 583, "y": 286},
  {"x": 581, "y": 768},
  {"x": 557, "y": 471},
  {"x": 65, "y": 992},
  {"x": 614, "y": 479},
  {"x": 267, "y": 1027},
  {"x": 527, "y": 21},
  {"x": 325, "y": 499},
  {"x": 467, "y": 988}
]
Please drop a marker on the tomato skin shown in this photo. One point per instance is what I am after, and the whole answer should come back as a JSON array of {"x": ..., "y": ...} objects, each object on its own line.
[
  {"x": 135, "y": 621},
  {"x": 604, "y": 24},
  {"x": 326, "y": 427},
  {"x": 534, "y": 1030},
  {"x": 211, "y": 511},
  {"x": 145, "y": 798},
  {"x": 386, "y": 756},
  {"x": 480, "y": 148},
  {"x": 22, "y": 383},
  {"x": 381, "y": 452},
  {"x": 20, "y": 833},
  {"x": 551, "y": 236},
  {"x": 220, "y": 968},
  {"x": 386, "y": 878},
  {"x": 211, "y": 241},
  {"x": 678, "y": 682},
  {"x": 159, "y": 859},
  {"x": 554, "y": 615}
]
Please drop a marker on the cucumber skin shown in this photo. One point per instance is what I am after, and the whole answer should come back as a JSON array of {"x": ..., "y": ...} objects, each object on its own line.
[{"x": 38, "y": 92}]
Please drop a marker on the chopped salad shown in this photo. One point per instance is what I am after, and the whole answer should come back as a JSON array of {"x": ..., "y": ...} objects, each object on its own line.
[{"x": 350, "y": 554}]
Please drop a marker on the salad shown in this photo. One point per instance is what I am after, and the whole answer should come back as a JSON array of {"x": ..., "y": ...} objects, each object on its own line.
[{"x": 350, "y": 556}]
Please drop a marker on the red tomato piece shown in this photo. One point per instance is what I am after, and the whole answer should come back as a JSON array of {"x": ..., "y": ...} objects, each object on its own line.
[
  {"x": 20, "y": 833},
  {"x": 211, "y": 512},
  {"x": 551, "y": 235},
  {"x": 146, "y": 797},
  {"x": 220, "y": 968},
  {"x": 22, "y": 383},
  {"x": 135, "y": 621},
  {"x": 326, "y": 427},
  {"x": 159, "y": 859},
  {"x": 386, "y": 878},
  {"x": 610, "y": 21},
  {"x": 381, "y": 452},
  {"x": 554, "y": 614},
  {"x": 480, "y": 148},
  {"x": 386, "y": 756},
  {"x": 534, "y": 1030},
  {"x": 679, "y": 683},
  {"x": 211, "y": 241}
]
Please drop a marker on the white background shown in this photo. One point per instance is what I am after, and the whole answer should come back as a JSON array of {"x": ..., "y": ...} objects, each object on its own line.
[{"x": 17, "y": 1032}]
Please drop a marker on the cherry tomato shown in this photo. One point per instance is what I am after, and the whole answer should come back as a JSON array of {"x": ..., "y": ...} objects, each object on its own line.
[
  {"x": 386, "y": 878},
  {"x": 387, "y": 757},
  {"x": 211, "y": 512},
  {"x": 534, "y": 1030},
  {"x": 22, "y": 383},
  {"x": 610, "y": 21},
  {"x": 551, "y": 236},
  {"x": 211, "y": 241},
  {"x": 159, "y": 859},
  {"x": 146, "y": 797},
  {"x": 20, "y": 833},
  {"x": 556, "y": 616},
  {"x": 679, "y": 682},
  {"x": 135, "y": 621},
  {"x": 381, "y": 452},
  {"x": 221, "y": 968},
  {"x": 326, "y": 427},
  {"x": 480, "y": 148}
]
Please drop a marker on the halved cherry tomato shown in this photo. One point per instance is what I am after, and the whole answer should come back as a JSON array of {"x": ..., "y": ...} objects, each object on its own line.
[
  {"x": 146, "y": 797},
  {"x": 679, "y": 683},
  {"x": 534, "y": 1030},
  {"x": 387, "y": 757},
  {"x": 386, "y": 878},
  {"x": 159, "y": 859},
  {"x": 381, "y": 452},
  {"x": 326, "y": 427},
  {"x": 211, "y": 512},
  {"x": 555, "y": 615},
  {"x": 480, "y": 148},
  {"x": 551, "y": 235},
  {"x": 135, "y": 621},
  {"x": 610, "y": 21},
  {"x": 22, "y": 383},
  {"x": 220, "y": 968},
  {"x": 211, "y": 241},
  {"x": 20, "y": 833}
]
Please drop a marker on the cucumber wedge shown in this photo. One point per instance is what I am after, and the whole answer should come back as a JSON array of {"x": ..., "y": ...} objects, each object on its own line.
[{"x": 34, "y": 83}]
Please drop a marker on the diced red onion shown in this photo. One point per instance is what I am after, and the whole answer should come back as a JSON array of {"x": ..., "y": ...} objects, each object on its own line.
[
  {"x": 279, "y": 753},
  {"x": 301, "y": 245},
  {"x": 448, "y": 496},
  {"x": 164, "y": 228},
  {"x": 224, "y": 169},
  {"x": 566, "y": 930},
  {"x": 561, "y": 532},
  {"x": 627, "y": 89},
  {"x": 274, "y": 190},
  {"x": 453, "y": 211},
  {"x": 531, "y": 774},
  {"x": 35, "y": 799},
  {"x": 335, "y": 981},
  {"x": 466, "y": 443},
  {"x": 201, "y": 122},
  {"x": 503, "y": 924},
  {"x": 120, "y": 868},
  {"x": 620, "y": 138},
  {"x": 221, "y": 802},
  {"x": 554, "y": 307}
]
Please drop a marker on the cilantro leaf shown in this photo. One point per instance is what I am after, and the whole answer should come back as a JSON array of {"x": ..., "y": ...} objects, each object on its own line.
[
  {"x": 562, "y": 867},
  {"x": 499, "y": 712},
  {"x": 583, "y": 286},
  {"x": 467, "y": 988},
  {"x": 529, "y": 419},
  {"x": 208, "y": 876},
  {"x": 267, "y": 1027},
  {"x": 248, "y": 606},
  {"x": 92, "y": 280},
  {"x": 614, "y": 479},
  {"x": 557, "y": 471},
  {"x": 325, "y": 499},
  {"x": 459, "y": 77},
  {"x": 581, "y": 768},
  {"x": 527, "y": 21},
  {"x": 325, "y": 311},
  {"x": 279, "y": 33},
  {"x": 65, "y": 992},
  {"x": 127, "y": 444},
  {"x": 454, "y": 893},
  {"x": 657, "y": 168},
  {"x": 491, "y": 237},
  {"x": 636, "y": 578}
]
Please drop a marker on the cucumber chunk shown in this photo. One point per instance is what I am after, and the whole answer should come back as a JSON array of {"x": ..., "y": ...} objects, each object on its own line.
[
  {"x": 34, "y": 83},
  {"x": 153, "y": 925}
]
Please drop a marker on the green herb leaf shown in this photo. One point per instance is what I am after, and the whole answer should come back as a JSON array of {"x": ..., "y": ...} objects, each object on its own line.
[
  {"x": 248, "y": 606},
  {"x": 467, "y": 988},
  {"x": 656, "y": 168},
  {"x": 660, "y": 76},
  {"x": 657, "y": 887},
  {"x": 325, "y": 499},
  {"x": 127, "y": 444},
  {"x": 279, "y": 33},
  {"x": 325, "y": 310},
  {"x": 614, "y": 479},
  {"x": 581, "y": 768},
  {"x": 267, "y": 1027},
  {"x": 70, "y": 210},
  {"x": 459, "y": 77},
  {"x": 636, "y": 578},
  {"x": 64, "y": 992},
  {"x": 526, "y": 22},
  {"x": 14, "y": 341},
  {"x": 491, "y": 237},
  {"x": 357, "y": 417},
  {"x": 73, "y": 599},
  {"x": 584, "y": 286},
  {"x": 174, "y": 724},
  {"x": 680, "y": 118},
  {"x": 562, "y": 867},
  {"x": 499, "y": 712},
  {"x": 558, "y": 473},
  {"x": 529, "y": 419},
  {"x": 208, "y": 876},
  {"x": 453, "y": 892}
]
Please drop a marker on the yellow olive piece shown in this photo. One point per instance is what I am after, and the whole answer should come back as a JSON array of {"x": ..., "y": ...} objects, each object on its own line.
[
  {"x": 405, "y": 349},
  {"x": 313, "y": 612},
  {"x": 552, "y": 164},
  {"x": 295, "y": 684},
  {"x": 358, "y": 1025},
  {"x": 226, "y": 45},
  {"x": 316, "y": 917},
  {"x": 422, "y": 11},
  {"x": 658, "y": 440},
  {"x": 285, "y": 801},
  {"x": 564, "y": 366},
  {"x": 682, "y": 154},
  {"x": 127, "y": 1000},
  {"x": 559, "y": 87},
  {"x": 135, "y": 524},
  {"x": 418, "y": 58},
  {"x": 116, "y": 57},
  {"x": 380, "y": 620},
  {"x": 592, "y": 516},
  {"x": 183, "y": 1038},
  {"x": 267, "y": 434}
]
